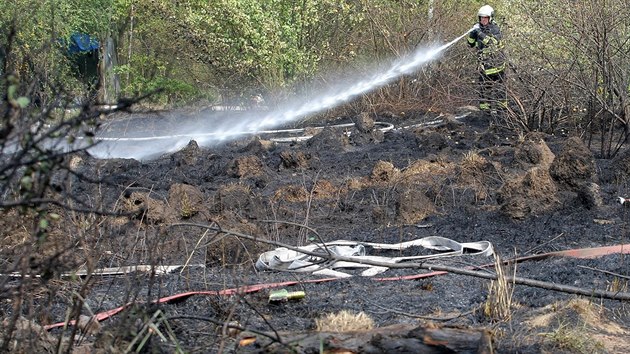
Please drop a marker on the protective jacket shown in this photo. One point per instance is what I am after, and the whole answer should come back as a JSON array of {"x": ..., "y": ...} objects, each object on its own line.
[{"x": 488, "y": 41}]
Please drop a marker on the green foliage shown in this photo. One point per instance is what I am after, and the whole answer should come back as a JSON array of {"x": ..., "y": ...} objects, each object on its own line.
[
  {"x": 40, "y": 22},
  {"x": 232, "y": 47},
  {"x": 39, "y": 26}
]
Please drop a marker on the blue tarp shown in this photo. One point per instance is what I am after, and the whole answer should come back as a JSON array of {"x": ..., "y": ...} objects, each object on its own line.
[{"x": 82, "y": 43}]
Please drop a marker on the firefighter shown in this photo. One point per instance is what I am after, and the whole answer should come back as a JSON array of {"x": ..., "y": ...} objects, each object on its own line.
[{"x": 486, "y": 38}]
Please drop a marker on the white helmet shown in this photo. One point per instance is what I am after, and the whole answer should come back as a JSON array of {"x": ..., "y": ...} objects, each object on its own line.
[{"x": 486, "y": 11}]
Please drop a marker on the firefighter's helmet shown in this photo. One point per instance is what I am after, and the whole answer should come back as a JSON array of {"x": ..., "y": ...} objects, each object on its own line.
[{"x": 486, "y": 11}]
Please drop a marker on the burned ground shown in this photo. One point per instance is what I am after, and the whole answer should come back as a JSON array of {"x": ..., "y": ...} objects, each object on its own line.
[{"x": 463, "y": 179}]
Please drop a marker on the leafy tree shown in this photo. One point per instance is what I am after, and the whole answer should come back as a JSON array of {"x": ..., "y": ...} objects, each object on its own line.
[{"x": 226, "y": 49}]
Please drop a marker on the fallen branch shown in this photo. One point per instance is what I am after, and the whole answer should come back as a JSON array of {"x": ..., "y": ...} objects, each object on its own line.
[
  {"x": 535, "y": 283},
  {"x": 401, "y": 338}
]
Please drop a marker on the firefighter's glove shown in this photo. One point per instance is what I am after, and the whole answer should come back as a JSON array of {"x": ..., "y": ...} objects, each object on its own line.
[{"x": 475, "y": 30}]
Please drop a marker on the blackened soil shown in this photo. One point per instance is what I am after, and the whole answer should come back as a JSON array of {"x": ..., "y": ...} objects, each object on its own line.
[{"x": 416, "y": 180}]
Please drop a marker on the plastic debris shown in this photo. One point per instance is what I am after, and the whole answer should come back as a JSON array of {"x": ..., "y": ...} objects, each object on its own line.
[{"x": 285, "y": 295}]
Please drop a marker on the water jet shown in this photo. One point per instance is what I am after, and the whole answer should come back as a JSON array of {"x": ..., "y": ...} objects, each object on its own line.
[{"x": 218, "y": 128}]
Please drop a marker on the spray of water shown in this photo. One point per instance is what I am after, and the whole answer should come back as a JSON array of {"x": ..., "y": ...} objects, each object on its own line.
[{"x": 216, "y": 130}]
